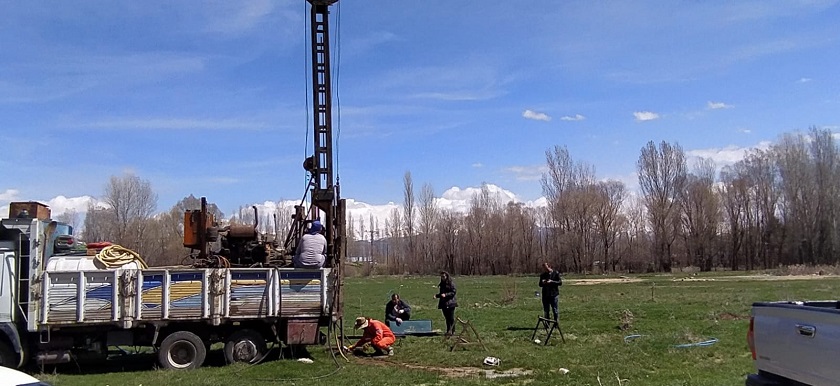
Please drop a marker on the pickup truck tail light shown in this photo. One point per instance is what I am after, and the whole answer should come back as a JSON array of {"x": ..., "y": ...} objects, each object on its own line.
[{"x": 751, "y": 337}]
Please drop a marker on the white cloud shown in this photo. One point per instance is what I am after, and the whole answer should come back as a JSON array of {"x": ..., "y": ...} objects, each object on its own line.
[
  {"x": 537, "y": 116},
  {"x": 361, "y": 44},
  {"x": 58, "y": 205},
  {"x": 240, "y": 17},
  {"x": 527, "y": 173},
  {"x": 576, "y": 117},
  {"x": 717, "y": 105},
  {"x": 727, "y": 155},
  {"x": 630, "y": 180},
  {"x": 745, "y": 131},
  {"x": 223, "y": 180},
  {"x": 804, "y": 80},
  {"x": 361, "y": 211},
  {"x": 642, "y": 116},
  {"x": 9, "y": 195},
  {"x": 61, "y": 204},
  {"x": 458, "y": 199},
  {"x": 477, "y": 165},
  {"x": 453, "y": 199},
  {"x": 172, "y": 124}
]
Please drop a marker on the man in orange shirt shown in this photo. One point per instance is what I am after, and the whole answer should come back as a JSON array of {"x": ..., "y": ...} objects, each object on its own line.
[{"x": 377, "y": 334}]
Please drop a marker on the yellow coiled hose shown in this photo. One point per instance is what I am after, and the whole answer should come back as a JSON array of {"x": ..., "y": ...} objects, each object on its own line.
[{"x": 114, "y": 256}]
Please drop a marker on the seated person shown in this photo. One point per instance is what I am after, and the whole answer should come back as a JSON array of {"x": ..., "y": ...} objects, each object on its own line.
[
  {"x": 376, "y": 333},
  {"x": 311, "y": 249},
  {"x": 397, "y": 310}
]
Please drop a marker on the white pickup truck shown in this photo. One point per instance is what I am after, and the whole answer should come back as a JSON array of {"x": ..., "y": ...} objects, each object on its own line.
[{"x": 795, "y": 343}]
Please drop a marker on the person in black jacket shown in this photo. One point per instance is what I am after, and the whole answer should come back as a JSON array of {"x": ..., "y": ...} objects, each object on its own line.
[
  {"x": 550, "y": 282},
  {"x": 396, "y": 311},
  {"x": 446, "y": 301}
]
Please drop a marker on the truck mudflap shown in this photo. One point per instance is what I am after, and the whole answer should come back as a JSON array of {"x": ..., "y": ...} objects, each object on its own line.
[
  {"x": 11, "y": 332},
  {"x": 302, "y": 331}
]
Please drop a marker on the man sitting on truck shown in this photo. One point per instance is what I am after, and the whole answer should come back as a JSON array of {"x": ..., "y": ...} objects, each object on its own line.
[
  {"x": 312, "y": 249},
  {"x": 376, "y": 333}
]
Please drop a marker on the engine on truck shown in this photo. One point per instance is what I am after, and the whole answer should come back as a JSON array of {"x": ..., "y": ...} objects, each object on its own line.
[{"x": 234, "y": 245}]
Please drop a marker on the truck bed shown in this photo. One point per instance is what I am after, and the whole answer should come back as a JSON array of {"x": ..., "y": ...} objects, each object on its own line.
[
  {"x": 798, "y": 340},
  {"x": 132, "y": 296}
]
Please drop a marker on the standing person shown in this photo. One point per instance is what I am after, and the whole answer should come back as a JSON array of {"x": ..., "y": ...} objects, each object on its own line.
[
  {"x": 312, "y": 248},
  {"x": 376, "y": 333},
  {"x": 396, "y": 310},
  {"x": 550, "y": 282},
  {"x": 446, "y": 301}
]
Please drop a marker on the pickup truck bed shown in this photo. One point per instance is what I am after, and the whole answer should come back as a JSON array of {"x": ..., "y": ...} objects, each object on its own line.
[{"x": 795, "y": 343}]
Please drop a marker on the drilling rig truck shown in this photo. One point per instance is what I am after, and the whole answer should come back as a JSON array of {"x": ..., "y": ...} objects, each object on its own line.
[{"x": 57, "y": 306}]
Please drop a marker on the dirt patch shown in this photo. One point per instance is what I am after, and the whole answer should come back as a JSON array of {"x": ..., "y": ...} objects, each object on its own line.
[
  {"x": 775, "y": 277},
  {"x": 460, "y": 372},
  {"x": 456, "y": 372},
  {"x": 614, "y": 280},
  {"x": 605, "y": 281},
  {"x": 731, "y": 316}
]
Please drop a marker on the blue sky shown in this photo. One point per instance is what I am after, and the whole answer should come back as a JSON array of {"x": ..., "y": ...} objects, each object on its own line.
[{"x": 210, "y": 98}]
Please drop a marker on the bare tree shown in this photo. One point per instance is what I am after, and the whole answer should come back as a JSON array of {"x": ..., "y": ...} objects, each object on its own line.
[
  {"x": 570, "y": 191},
  {"x": 521, "y": 223},
  {"x": 132, "y": 202},
  {"x": 799, "y": 191},
  {"x": 408, "y": 220},
  {"x": 662, "y": 173},
  {"x": 634, "y": 235},
  {"x": 826, "y": 156},
  {"x": 610, "y": 196},
  {"x": 99, "y": 224},
  {"x": 394, "y": 230},
  {"x": 763, "y": 234},
  {"x": 165, "y": 239},
  {"x": 451, "y": 234},
  {"x": 700, "y": 215},
  {"x": 429, "y": 214},
  {"x": 735, "y": 198},
  {"x": 71, "y": 217}
]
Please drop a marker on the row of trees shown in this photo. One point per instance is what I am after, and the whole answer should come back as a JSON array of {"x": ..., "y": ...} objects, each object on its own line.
[
  {"x": 777, "y": 206},
  {"x": 127, "y": 215}
]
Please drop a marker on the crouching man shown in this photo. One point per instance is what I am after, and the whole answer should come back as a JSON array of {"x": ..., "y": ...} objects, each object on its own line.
[{"x": 376, "y": 333}]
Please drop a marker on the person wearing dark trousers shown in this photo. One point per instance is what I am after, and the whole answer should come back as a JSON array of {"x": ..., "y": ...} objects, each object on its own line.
[
  {"x": 396, "y": 311},
  {"x": 446, "y": 301},
  {"x": 550, "y": 282}
]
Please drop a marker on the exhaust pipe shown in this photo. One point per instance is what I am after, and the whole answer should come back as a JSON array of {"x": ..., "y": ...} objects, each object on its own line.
[{"x": 53, "y": 357}]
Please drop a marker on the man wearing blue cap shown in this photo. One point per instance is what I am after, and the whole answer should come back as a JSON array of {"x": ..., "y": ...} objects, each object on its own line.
[{"x": 312, "y": 248}]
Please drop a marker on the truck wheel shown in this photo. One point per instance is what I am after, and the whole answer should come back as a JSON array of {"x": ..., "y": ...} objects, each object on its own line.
[
  {"x": 182, "y": 350},
  {"x": 8, "y": 358},
  {"x": 246, "y": 346}
]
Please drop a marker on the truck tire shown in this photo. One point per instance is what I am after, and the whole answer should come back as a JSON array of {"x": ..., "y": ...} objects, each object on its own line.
[
  {"x": 182, "y": 350},
  {"x": 8, "y": 358},
  {"x": 245, "y": 346}
]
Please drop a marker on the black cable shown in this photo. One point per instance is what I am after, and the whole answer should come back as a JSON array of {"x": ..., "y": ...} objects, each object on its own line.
[
  {"x": 336, "y": 82},
  {"x": 322, "y": 376},
  {"x": 306, "y": 84}
]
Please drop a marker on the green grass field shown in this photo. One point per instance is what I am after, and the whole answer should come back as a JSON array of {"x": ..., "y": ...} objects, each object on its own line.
[{"x": 666, "y": 310}]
